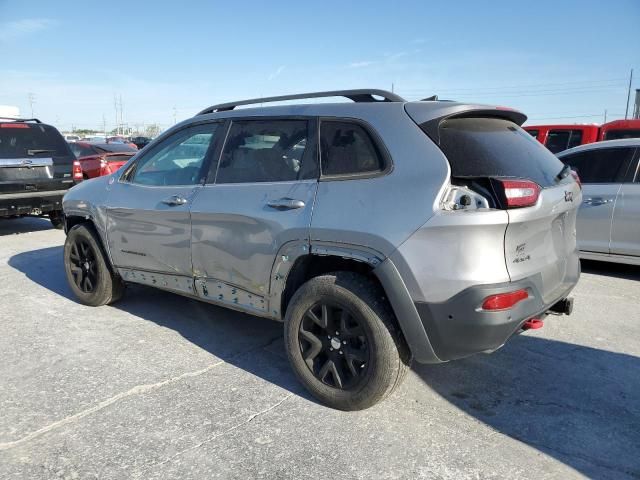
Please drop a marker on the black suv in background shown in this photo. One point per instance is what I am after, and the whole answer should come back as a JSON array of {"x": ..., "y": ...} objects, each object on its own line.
[{"x": 36, "y": 169}]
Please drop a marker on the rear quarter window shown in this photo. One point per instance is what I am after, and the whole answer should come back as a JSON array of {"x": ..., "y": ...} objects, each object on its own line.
[
  {"x": 494, "y": 147},
  {"x": 348, "y": 149}
]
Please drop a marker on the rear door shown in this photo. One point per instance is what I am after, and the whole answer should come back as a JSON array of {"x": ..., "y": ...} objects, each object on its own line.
[
  {"x": 625, "y": 228},
  {"x": 149, "y": 226},
  {"x": 601, "y": 171},
  {"x": 33, "y": 158},
  {"x": 258, "y": 199}
]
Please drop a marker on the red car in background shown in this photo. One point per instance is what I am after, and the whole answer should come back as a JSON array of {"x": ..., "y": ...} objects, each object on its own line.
[
  {"x": 561, "y": 137},
  {"x": 97, "y": 159}
]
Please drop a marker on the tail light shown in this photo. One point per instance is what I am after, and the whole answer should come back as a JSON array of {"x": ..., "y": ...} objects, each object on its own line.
[
  {"x": 77, "y": 171},
  {"x": 576, "y": 177},
  {"x": 504, "y": 301},
  {"x": 520, "y": 193},
  {"x": 105, "y": 169}
]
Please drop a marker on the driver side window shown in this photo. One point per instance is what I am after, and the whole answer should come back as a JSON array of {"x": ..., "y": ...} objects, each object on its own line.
[{"x": 178, "y": 159}]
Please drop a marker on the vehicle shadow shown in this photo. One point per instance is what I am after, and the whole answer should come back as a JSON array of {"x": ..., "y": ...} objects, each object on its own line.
[
  {"x": 618, "y": 270},
  {"x": 13, "y": 226},
  {"x": 577, "y": 404},
  {"x": 245, "y": 341}
]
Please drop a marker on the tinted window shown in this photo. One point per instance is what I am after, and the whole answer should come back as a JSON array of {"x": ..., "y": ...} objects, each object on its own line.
[
  {"x": 22, "y": 140},
  {"x": 178, "y": 159},
  {"x": 494, "y": 147},
  {"x": 559, "y": 140},
  {"x": 115, "y": 147},
  {"x": 81, "y": 150},
  {"x": 604, "y": 165},
  {"x": 266, "y": 151},
  {"x": 533, "y": 133},
  {"x": 617, "y": 134},
  {"x": 348, "y": 149}
]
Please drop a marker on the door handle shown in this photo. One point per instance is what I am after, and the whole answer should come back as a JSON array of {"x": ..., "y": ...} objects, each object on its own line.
[
  {"x": 175, "y": 200},
  {"x": 285, "y": 204},
  {"x": 596, "y": 201}
]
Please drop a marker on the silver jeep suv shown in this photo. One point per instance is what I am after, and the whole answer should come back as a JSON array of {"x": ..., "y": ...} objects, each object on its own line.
[{"x": 377, "y": 230}]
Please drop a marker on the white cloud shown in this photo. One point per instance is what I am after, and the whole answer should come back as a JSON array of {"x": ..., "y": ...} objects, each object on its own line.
[
  {"x": 360, "y": 64},
  {"x": 21, "y": 28},
  {"x": 277, "y": 73}
]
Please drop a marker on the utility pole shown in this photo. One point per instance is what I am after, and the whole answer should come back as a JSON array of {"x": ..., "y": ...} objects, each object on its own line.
[
  {"x": 605, "y": 116},
  {"x": 392, "y": 87},
  {"x": 32, "y": 99},
  {"x": 104, "y": 124},
  {"x": 175, "y": 115},
  {"x": 626, "y": 112}
]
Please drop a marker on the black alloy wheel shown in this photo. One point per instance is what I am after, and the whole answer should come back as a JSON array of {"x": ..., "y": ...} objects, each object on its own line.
[
  {"x": 83, "y": 265},
  {"x": 334, "y": 345}
]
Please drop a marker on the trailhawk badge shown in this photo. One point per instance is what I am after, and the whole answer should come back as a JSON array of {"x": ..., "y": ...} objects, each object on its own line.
[{"x": 568, "y": 196}]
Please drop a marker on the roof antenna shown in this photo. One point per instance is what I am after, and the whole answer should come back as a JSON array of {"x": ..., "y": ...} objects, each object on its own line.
[{"x": 432, "y": 98}]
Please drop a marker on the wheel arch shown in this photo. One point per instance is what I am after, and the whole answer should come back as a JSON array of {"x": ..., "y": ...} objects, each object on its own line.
[{"x": 296, "y": 263}]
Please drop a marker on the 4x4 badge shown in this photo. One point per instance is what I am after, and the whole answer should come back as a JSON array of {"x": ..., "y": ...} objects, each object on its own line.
[{"x": 568, "y": 196}]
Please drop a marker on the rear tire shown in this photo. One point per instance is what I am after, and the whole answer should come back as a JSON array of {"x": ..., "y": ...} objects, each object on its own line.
[
  {"x": 343, "y": 342},
  {"x": 88, "y": 272},
  {"x": 57, "y": 219}
]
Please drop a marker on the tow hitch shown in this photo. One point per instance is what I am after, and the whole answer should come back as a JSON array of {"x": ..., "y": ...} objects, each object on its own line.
[{"x": 533, "y": 324}]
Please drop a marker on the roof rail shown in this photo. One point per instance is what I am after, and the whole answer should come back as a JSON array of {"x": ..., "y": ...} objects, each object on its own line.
[
  {"x": 21, "y": 119},
  {"x": 361, "y": 95}
]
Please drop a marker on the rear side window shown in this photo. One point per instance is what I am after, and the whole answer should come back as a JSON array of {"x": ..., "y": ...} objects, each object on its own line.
[
  {"x": 495, "y": 147},
  {"x": 27, "y": 140},
  {"x": 267, "y": 151},
  {"x": 533, "y": 133},
  {"x": 604, "y": 165},
  {"x": 560, "y": 140},
  {"x": 348, "y": 149}
]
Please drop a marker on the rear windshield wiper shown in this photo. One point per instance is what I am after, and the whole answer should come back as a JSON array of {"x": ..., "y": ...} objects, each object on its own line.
[
  {"x": 37, "y": 151},
  {"x": 566, "y": 170}
]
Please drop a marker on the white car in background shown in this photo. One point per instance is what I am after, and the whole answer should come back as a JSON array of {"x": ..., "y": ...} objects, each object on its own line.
[{"x": 608, "y": 225}]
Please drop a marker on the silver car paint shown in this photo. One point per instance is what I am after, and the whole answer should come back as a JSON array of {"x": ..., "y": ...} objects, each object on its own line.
[
  {"x": 436, "y": 253},
  {"x": 625, "y": 227}
]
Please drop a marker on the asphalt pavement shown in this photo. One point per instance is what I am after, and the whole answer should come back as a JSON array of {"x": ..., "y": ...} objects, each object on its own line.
[{"x": 161, "y": 386}]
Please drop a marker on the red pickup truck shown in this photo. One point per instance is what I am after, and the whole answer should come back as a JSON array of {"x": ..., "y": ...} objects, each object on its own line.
[{"x": 561, "y": 137}]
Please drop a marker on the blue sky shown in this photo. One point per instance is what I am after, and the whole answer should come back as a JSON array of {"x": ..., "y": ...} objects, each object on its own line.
[{"x": 555, "y": 60}]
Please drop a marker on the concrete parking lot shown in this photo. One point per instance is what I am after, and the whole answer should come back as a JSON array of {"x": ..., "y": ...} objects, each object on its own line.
[{"x": 160, "y": 386}]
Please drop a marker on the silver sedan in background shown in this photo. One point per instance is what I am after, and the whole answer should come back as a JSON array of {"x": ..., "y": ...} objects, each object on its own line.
[{"x": 608, "y": 225}]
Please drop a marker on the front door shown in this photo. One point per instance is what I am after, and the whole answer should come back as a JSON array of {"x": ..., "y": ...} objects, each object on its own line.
[
  {"x": 260, "y": 199},
  {"x": 601, "y": 170},
  {"x": 149, "y": 226}
]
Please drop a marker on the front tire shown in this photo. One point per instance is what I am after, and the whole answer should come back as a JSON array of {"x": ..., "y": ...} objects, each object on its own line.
[
  {"x": 88, "y": 273},
  {"x": 343, "y": 342}
]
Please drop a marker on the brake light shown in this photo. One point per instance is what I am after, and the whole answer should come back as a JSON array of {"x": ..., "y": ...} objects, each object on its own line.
[
  {"x": 77, "y": 171},
  {"x": 14, "y": 125},
  {"x": 520, "y": 193},
  {"x": 576, "y": 177},
  {"x": 504, "y": 301}
]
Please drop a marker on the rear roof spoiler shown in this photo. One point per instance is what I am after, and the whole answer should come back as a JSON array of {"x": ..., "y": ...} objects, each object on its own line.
[
  {"x": 430, "y": 119},
  {"x": 35, "y": 120}
]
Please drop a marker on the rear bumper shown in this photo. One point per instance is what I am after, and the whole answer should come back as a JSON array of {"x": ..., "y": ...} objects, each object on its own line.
[
  {"x": 458, "y": 327},
  {"x": 28, "y": 202}
]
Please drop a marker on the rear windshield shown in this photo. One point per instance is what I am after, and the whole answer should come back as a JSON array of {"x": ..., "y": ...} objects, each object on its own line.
[
  {"x": 618, "y": 134},
  {"x": 495, "y": 147},
  {"x": 114, "y": 147},
  {"x": 31, "y": 140}
]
